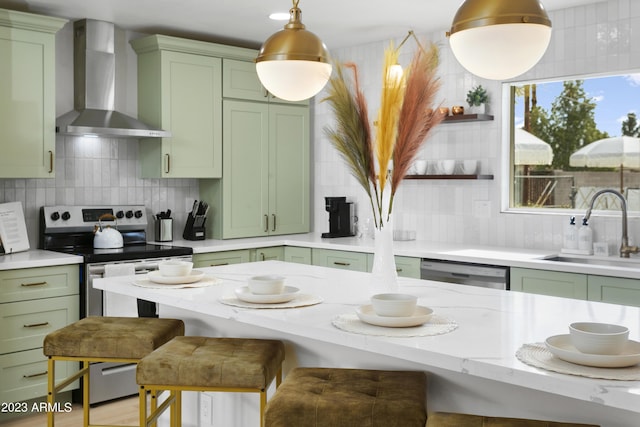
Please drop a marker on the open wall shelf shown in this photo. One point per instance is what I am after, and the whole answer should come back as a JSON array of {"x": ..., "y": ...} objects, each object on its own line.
[
  {"x": 467, "y": 118},
  {"x": 477, "y": 177}
]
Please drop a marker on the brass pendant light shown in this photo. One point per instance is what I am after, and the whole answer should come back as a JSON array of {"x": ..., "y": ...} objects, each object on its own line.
[
  {"x": 293, "y": 64},
  {"x": 500, "y": 39}
]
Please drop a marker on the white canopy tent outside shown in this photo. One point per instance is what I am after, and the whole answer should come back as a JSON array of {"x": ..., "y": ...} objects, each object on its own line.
[
  {"x": 531, "y": 150},
  {"x": 615, "y": 152}
]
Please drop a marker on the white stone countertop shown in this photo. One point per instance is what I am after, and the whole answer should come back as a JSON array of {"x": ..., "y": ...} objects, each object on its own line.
[
  {"x": 36, "y": 258},
  {"x": 494, "y": 255},
  {"x": 492, "y": 326}
]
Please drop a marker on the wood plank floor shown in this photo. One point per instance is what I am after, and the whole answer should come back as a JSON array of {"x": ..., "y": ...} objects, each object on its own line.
[{"x": 119, "y": 412}]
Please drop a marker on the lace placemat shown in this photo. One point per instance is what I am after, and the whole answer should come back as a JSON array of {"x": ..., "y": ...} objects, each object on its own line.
[
  {"x": 205, "y": 281},
  {"x": 539, "y": 356},
  {"x": 436, "y": 325},
  {"x": 301, "y": 300}
]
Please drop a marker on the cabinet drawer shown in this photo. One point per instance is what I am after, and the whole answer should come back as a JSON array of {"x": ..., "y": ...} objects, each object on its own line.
[
  {"x": 298, "y": 255},
  {"x": 268, "y": 254},
  {"x": 345, "y": 260},
  {"x": 615, "y": 290},
  {"x": 23, "y": 325},
  {"x": 406, "y": 266},
  {"x": 221, "y": 258},
  {"x": 23, "y": 375},
  {"x": 34, "y": 283},
  {"x": 554, "y": 283}
]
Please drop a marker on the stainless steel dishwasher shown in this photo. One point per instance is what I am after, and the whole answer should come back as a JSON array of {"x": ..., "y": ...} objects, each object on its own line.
[{"x": 482, "y": 275}]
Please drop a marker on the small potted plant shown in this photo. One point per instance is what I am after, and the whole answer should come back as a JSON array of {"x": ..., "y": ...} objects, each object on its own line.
[{"x": 477, "y": 99}]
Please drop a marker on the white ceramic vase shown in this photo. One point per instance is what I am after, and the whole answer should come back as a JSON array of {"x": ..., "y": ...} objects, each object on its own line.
[{"x": 477, "y": 109}]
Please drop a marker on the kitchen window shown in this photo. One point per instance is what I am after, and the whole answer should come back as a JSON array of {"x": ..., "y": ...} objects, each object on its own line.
[{"x": 573, "y": 137}]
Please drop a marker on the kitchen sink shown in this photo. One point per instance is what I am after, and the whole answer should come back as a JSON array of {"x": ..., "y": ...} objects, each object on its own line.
[{"x": 609, "y": 262}]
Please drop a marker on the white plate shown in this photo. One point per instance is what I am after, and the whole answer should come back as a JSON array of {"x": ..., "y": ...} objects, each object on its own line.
[
  {"x": 156, "y": 277},
  {"x": 561, "y": 347},
  {"x": 420, "y": 316},
  {"x": 244, "y": 294}
]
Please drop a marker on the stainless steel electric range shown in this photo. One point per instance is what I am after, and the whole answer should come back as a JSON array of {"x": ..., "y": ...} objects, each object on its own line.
[{"x": 70, "y": 229}]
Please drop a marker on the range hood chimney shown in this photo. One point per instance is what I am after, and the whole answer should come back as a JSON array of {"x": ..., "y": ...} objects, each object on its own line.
[{"x": 94, "y": 69}]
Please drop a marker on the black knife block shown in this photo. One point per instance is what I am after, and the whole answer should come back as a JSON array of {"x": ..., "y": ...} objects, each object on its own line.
[{"x": 191, "y": 231}]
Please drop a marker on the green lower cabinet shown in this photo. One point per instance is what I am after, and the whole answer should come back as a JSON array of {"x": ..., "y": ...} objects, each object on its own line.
[
  {"x": 614, "y": 290},
  {"x": 355, "y": 261},
  {"x": 297, "y": 254},
  {"x": 213, "y": 259},
  {"x": 275, "y": 253},
  {"x": 405, "y": 266},
  {"x": 554, "y": 283}
]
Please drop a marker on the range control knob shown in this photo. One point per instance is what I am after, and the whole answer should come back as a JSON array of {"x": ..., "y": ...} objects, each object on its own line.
[
  {"x": 55, "y": 216},
  {"x": 129, "y": 214},
  {"x": 120, "y": 214},
  {"x": 66, "y": 216},
  {"x": 138, "y": 214}
]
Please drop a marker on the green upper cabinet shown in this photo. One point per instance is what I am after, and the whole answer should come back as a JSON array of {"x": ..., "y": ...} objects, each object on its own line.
[
  {"x": 180, "y": 90},
  {"x": 240, "y": 81},
  {"x": 27, "y": 94},
  {"x": 265, "y": 188}
]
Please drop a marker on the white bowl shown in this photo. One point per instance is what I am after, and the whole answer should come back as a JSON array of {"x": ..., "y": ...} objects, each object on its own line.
[
  {"x": 269, "y": 284},
  {"x": 598, "y": 338},
  {"x": 394, "y": 305},
  {"x": 469, "y": 167},
  {"x": 174, "y": 268},
  {"x": 446, "y": 167}
]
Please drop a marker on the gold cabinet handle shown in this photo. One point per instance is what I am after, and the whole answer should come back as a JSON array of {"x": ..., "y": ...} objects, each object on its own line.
[
  {"x": 274, "y": 222},
  {"x": 266, "y": 223},
  {"x": 39, "y": 374},
  {"x": 262, "y": 256},
  {"x": 35, "y": 325},
  {"x": 26, "y": 285},
  {"x": 50, "y": 161},
  {"x": 215, "y": 265},
  {"x": 168, "y": 157},
  {"x": 345, "y": 264}
]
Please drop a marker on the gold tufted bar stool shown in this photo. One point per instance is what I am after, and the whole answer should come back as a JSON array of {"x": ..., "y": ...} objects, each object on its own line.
[
  {"x": 331, "y": 397},
  {"x": 102, "y": 339},
  {"x": 207, "y": 364}
]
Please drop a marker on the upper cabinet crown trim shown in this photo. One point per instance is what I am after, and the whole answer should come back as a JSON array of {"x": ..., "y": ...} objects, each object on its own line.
[
  {"x": 159, "y": 42},
  {"x": 31, "y": 22}
]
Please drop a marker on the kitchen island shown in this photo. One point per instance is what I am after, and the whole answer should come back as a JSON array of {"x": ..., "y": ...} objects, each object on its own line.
[{"x": 472, "y": 368}]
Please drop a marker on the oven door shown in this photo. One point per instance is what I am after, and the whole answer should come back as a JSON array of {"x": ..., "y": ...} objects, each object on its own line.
[{"x": 98, "y": 303}]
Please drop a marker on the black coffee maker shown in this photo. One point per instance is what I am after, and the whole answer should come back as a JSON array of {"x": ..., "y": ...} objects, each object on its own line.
[{"x": 340, "y": 217}]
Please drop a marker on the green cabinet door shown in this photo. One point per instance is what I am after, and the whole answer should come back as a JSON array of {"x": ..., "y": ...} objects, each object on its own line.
[
  {"x": 405, "y": 266},
  {"x": 180, "y": 92},
  {"x": 614, "y": 290},
  {"x": 554, "y": 283},
  {"x": 27, "y": 95},
  {"x": 273, "y": 253},
  {"x": 240, "y": 80},
  {"x": 289, "y": 174},
  {"x": 297, "y": 254},
  {"x": 265, "y": 188}
]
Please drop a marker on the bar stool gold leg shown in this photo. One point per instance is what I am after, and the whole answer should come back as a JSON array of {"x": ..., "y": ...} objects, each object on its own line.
[
  {"x": 177, "y": 404},
  {"x": 85, "y": 392},
  {"x": 51, "y": 390},
  {"x": 142, "y": 406}
]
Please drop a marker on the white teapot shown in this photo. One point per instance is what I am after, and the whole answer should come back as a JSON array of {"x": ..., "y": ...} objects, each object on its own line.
[{"x": 106, "y": 237}]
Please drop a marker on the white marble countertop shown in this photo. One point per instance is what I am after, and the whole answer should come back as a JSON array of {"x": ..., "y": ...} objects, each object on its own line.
[
  {"x": 36, "y": 258},
  {"x": 493, "y": 325},
  {"x": 495, "y": 255}
]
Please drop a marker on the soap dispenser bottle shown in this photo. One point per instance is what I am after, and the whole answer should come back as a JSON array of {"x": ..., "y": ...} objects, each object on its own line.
[
  {"x": 570, "y": 237},
  {"x": 585, "y": 237}
]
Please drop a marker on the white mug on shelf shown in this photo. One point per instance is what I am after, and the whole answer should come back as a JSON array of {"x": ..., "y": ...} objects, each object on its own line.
[
  {"x": 420, "y": 166},
  {"x": 446, "y": 167},
  {"x": 469, "y": 167}
]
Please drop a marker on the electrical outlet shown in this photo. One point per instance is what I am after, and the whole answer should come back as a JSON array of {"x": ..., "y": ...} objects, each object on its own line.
[{"x": 206, "y": 418}]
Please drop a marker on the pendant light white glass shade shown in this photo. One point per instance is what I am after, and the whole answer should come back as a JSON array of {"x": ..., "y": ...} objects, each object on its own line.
[
  {"x": 293, "y": 80},
  {"x": 293, "y": 64},
  {"x": 499, "y": 40}
]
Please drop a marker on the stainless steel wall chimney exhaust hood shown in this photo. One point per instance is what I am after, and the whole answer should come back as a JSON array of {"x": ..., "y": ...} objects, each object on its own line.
[{"x": 94, "y": 88}]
